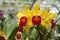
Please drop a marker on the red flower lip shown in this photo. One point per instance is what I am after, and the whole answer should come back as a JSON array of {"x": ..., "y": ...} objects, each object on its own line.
[
  {"x": 22, "y": 23},
  {"x": 52, "y": 23},
  {"x": 23, "y": 20},
  {"x": 18, "y": 36},
  {"x": 36, "y": 20}
]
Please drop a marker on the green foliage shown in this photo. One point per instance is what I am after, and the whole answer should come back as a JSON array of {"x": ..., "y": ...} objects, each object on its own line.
[
  {"x": 1, "y": 23},
  {"x": 24, "y": 35},
  {"x": 58, "y": 28},
  {"x": 33, "y": 34},
  {"x": 42, "y": 28},
  {"x": 13, "y": 34},
  {"x": 4, "y": 4},
  {"x": 9, "y": 25},
  {"x": 59, "y": 13},
  {"x": 59, "y": 0}
]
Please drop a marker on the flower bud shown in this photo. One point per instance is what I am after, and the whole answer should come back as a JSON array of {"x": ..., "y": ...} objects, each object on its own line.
[
  {"x": 23, "y": 21},
  {"x": 52, "y": 23},
  {"x": 18, "y": 36}
]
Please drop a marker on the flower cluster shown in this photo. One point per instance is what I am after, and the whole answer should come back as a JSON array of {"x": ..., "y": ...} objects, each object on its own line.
[{"x": 28, "y": 18}]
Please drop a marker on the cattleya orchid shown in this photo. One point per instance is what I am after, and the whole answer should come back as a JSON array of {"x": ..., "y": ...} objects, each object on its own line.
[{"x": 28, "y": 18}]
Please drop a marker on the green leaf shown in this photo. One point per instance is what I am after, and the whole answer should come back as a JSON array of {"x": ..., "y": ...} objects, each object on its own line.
[
  {"x": 9, "y": 26},
  {"x": 47, "y": 35},
  {"x": 30, "y": 30},
  {"x": 6, "y": 16},
  {"x": 42, "y": 28},
  {"x": 59, "y": 0},
  {"x": 34, "y": 34},
  {"x": 29, "y": 38},
  {"x": 13, "y": 34},
  {"x": 59, "y": 13},
  {"x": 24, "y": 35},
  {"x": 58, "y": 28}
]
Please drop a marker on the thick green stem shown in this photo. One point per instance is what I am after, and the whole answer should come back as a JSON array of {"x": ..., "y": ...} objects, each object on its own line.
[{"x": 41, "y": 34}]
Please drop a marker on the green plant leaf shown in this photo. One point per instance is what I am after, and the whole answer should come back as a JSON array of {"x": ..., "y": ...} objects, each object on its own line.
[
  {"x": 9, "y": 26},
  {"x": 34, "y": 34},
  {"x": 58, "y": 28},
  {"x": 42, "y": 28},
  {"x": 13, "y": 34},
  {"x": 24, "y": 35},
  {"x": 59, "y": 13},
  {"x": 59, "y": 0}
]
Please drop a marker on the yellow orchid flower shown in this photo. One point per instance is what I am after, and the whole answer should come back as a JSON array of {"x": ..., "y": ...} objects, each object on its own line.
[
  {"x": 43, "y": 13},
  {"x": 36, "y": 6},
  {"x": 45, "y": 23},
  {"x": 36, "y": 10},
  {"x": 29, "y": 15},
  {"x": 49, "y": 16},
  {"x": 19, "y": 15}
]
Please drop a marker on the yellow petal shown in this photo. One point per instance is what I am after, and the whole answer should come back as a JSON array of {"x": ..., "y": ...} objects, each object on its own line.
[
  {"x": 36, "y": 6},
  {"x": 49, "y": 16},
  {"x": 19, "y": 15},
  {"x": 45, "y": 24},
  {"x": 26, "y": 7},
  {"x": 43, "y": 13}
]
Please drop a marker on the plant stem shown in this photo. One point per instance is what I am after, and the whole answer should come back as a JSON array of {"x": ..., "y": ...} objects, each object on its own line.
[
  {"x": 32, "y": 4},
  {"x": 41, "y": 34}
]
